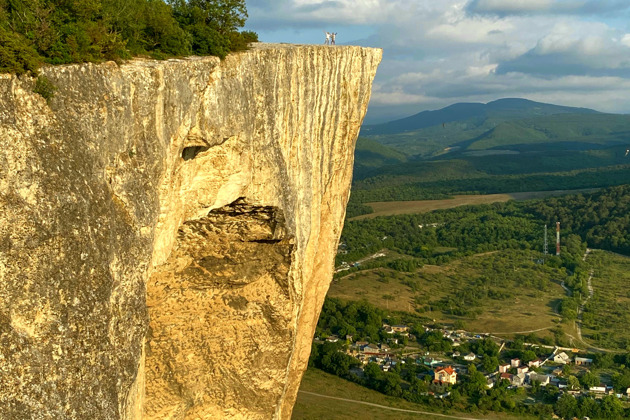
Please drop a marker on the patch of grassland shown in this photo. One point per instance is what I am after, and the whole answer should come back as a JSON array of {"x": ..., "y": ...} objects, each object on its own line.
[
  {"x": 315, "y": 407},
  {"x": 392, "y": 208},
  {"x": 607, "y": 315},
  {"x": 498, "y": 292}
]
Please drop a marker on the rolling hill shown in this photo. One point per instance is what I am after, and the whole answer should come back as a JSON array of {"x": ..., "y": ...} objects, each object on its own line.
[
  {"x": 504, "y": 146},
  {"x": 499, "y": 110},
  {"x": 512, "y": 124}
]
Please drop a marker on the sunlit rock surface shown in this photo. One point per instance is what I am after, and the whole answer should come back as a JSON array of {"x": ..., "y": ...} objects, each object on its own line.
[{"x": 168, "y": 230}]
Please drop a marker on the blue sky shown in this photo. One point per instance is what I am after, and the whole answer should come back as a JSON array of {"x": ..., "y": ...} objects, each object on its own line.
[{"x": 438, "y": 52}]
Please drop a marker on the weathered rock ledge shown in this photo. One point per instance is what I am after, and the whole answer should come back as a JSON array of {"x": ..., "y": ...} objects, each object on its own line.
[{"x": 168, "y": 230}]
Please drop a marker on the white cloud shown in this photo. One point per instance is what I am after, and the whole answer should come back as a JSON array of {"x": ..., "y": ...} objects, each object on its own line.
[
  {"x": 512, "y": 6},
  {"x": 440, "y": 52}
]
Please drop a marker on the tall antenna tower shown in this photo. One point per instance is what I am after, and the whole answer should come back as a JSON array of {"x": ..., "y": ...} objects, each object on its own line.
[
  {"x": 546, "y": 246},
  {"x": 557, "y": 238}
]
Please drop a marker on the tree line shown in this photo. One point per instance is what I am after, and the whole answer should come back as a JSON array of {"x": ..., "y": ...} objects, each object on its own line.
[
  {"x": 391, "y": 188},
  {"x": 34, "y": 32},
  {"x": 601, "y": 219}
]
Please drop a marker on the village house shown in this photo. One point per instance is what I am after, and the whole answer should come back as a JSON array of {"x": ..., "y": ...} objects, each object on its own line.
[
  {"x": 470, "y": 357},
  {"x": 535, "y": 363},
  {"x": 542, "y": 379},
  {"x": 400, "y": 328},
  {"x": 360, "y": 344},
  {"x": 445, "y": 375},
  {"x": 456, "y": 354},
  {"x": 519, "y": 380},
  {"x": 601, "y": 388},
  {"x": 582, "y": 361},
  {"x": 370, "y": 349},
  {"x": 503, "y": 368},
  {"x": 562, "y": 358},
  {"x": 332, "y": 339},
  {"x": 515, "y": 363},
  {"x": 507, "y": 376},
  {"x": 522, "y": 369}
]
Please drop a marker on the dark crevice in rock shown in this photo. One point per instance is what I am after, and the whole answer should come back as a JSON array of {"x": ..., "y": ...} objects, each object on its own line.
[
  {"x": 191, "y": 152},
  {"x": 266, "y": 241}
]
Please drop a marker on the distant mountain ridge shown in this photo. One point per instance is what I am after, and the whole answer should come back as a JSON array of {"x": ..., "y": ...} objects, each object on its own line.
[{"x": 501, "y": 109}]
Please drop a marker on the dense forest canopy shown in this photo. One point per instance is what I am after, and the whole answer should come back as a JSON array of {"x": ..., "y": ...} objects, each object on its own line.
[
  {"x": 602, "y": 219},
  {"x": 34, "y": 32}
]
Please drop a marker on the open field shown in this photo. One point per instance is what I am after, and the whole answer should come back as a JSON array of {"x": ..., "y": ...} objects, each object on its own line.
[
  {"x": 521, "y": 308},
  {"x": 310, "y": 406},
  {"x": 607, "y": 314},
  {"x": 391, "y": 208}
]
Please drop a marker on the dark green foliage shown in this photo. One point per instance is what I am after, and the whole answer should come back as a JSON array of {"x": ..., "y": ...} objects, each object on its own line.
[
  {"x": 589, "y": 379},
  {"x": 370, "y": 154},
  {"x": 45, "y": 87},
  {"x": 359, "y": 319},
  {"x": 601, "y": 219},
  {"x": 67, "y": 31},
  {"x": 409, "y": 187},
  {"x": 405, "y": 264},
  {"x": 16, "y": 53},
  {"x": 435, "y": 341},
  {"x": 357, "y": 209}
]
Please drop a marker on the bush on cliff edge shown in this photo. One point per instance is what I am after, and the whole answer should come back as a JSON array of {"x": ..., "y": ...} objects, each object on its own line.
[{"x": 33, "y": 32}]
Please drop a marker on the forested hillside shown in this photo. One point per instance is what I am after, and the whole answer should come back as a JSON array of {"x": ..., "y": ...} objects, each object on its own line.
[
  {"x": 475, "y": 114},
  {"x": 33, "y": 32},
  {"x": 505, "y": 146},
  {"x": 601, "y": 219}
]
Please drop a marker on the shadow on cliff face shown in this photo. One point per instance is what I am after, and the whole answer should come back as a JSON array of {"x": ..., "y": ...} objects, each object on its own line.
[
  {"x": 191, "y": 152},
  {"x": 220, "y": 312}
]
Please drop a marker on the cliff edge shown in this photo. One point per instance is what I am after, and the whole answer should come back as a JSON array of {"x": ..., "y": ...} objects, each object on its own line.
[{"x": 168, "y": 230}]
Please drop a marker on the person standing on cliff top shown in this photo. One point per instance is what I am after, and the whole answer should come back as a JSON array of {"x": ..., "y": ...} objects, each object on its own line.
[
  {"x": 327, "y": 42},
  {"x": 332, "y": 38}
]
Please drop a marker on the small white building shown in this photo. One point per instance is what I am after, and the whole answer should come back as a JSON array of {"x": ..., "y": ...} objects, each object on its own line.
[
  {"x": 515, "y": 363},
  {"x": 562, "y": 358},
  {"x": 582, "y": 361},
  {"x": 601, "y": 388},
  {"x": 519, "y": 380},
  {"x": 470, "y": 357},
  {"x": 542, "y": 379},
  {"x": 535, "y": 363}
]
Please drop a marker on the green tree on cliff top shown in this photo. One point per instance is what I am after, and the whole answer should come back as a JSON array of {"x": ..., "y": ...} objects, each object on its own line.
[{"x": 33, "y": 32}]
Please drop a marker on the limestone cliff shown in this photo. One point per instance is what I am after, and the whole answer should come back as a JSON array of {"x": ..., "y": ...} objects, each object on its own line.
[{"x": 168, "y": 229}]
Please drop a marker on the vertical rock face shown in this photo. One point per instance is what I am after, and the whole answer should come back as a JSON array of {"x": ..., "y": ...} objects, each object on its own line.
[{"x": 168, "y": 231}]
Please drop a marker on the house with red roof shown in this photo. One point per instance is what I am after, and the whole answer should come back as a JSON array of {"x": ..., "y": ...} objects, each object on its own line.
[{"x": 445, "y": 375}]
